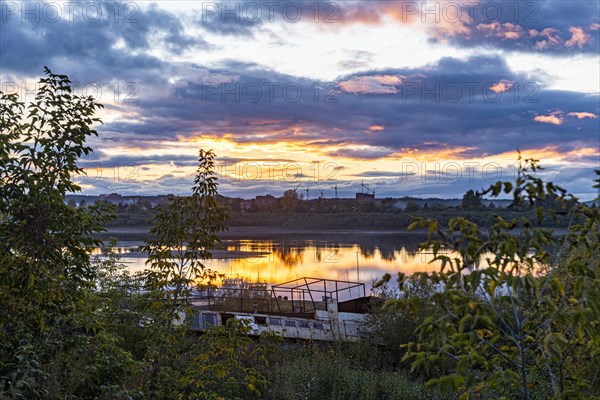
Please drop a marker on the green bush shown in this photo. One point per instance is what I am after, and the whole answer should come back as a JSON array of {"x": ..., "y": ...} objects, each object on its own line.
[{"x": 344, "y": 371}]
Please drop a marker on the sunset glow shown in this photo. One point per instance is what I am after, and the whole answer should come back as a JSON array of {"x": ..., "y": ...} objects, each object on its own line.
[{"x": 323, "y": 94}]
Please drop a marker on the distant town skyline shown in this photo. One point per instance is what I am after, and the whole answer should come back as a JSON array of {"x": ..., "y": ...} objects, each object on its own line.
[{"x": 425, "y": 99}]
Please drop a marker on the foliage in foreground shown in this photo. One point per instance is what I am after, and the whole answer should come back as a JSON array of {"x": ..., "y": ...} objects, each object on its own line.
[
  {"x": 185, "y": 232},
  {"x": 339, "y": 371},
  {"x": 72, "y": 327},
  {"x": 518, "y": 308},
  {"x": 513, "y": 313},
  {"x": 45, "y": 270}
]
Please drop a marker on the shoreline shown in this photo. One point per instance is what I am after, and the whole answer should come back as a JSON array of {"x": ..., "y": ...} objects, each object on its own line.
[
  {"x": 259, "y": 231},
  {"x": 262, "y": 230}
]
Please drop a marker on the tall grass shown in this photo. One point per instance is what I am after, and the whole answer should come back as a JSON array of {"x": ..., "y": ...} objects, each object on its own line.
[{"x": 338, "y": 373}]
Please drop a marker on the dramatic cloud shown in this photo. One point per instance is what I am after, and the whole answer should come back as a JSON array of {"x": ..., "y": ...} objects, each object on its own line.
[
  {"x": 99, "y": 43},
  {"x": 478, "y": 101},
  {"x": 554, "y": 119},
  {"x": 501, "y": 86},
  {"x": 503, "y": 31},
  {"x": 377, "y": 84},
  {"x": 548, "y": 38},
  {"x": 362, "y": 152},
  {"x": 544, "y": 26},
  {"x": 578, "y": 39},
  {"x": 248, "y": 82},
  {"x": 582, "y": 115}
]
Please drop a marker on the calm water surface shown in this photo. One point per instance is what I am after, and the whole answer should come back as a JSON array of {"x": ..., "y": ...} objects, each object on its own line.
[{"x": 277, "y": 256}]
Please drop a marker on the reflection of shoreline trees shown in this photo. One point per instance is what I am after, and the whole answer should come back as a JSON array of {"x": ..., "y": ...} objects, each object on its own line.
[
  {"x": 295, "y": 250},
  {"x": 289, "y": 255},
  {"x": 326, "y": 253},
  {"x": 390, "y": 247},
  {"x": 290, "y": 252}
]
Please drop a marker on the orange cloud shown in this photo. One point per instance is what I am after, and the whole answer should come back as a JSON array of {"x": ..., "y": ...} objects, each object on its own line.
[
  {"x": 443, "y": 30},
  {"x": 445, "y": 21},
  {"x": 442, "y": 152},
  {"x": 374, "y": 128},
  {"x": 268, "y": 122},
  {"x": 376, "y": 84},
  {"x": 451, "y": 25},
  {"x": 404, "y": 11},
  {"x": 501, "y": 86},
  {"x": 550, "y": 35},
  {"x": 578, "y": 37},
  {"x": 582, "y": 115},
  {"x": 358, "y": 14},
  {"x": 552, "y": 154},
  {"x": 554, "y": 119},
  {"x": 504, "y": 31}
]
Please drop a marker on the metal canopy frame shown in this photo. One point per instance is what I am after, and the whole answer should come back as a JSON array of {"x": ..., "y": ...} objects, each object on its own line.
[{"x": 303, "y": 290}]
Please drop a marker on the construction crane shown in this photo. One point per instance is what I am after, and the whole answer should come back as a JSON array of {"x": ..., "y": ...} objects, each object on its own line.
[
  {"x": 364, "y": 187},
  {"x": 294, "y": 190},
  {"x": 320, "y": 191}
]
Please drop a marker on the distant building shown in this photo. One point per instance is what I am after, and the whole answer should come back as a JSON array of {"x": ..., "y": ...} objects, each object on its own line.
[
  {"x": 147, "y": 201},
  {"x": 160, "y": 200},
  {"x": 266, "y": 200},
  {"x": 113, "y": 198},
  {"x": 245, "y": 205}
]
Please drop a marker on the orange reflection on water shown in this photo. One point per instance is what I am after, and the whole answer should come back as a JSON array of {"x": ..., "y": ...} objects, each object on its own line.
[
  {"x": 277, "y": 262},
  {"x": 364, "y": 258}
]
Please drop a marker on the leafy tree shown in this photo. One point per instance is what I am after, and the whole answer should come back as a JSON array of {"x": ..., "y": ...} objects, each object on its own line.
[
  {"x": 393, "y": 327},
  {"x": 412, "y": 206},
  {"x": 228, "y": 364},
  {"x": 367, "y": 206},
  {"x": 520, "y": 305},
  {"x": 471, "y": 200},
  {"x": 186, "y": 231},
  {"x": 291, "y": 201},
  {"x": 133, "y": 208},
  {"x": 45, "y": 268},
  {"x": 71, "y": 327}
]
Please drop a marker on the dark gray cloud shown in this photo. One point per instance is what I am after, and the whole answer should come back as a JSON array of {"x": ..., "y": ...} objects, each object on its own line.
[
  {"x": 437, "y": 183},
  {"x": 567, "y": 27},
  {"x": 477, "y": 104},
  {"x": 91, "y": 42},
  {"x": 532, "y": 26},
  {"x": 474, "y": 107},
  {"x": 101, "y": 158},
  {"x": 364, "y": 154},
  {"x": 383, "y": 174}
]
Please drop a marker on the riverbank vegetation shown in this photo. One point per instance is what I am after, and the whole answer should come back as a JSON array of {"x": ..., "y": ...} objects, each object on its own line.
[
  {"x": 516, "y": 316},
  {"x": 346, "y": 220}
]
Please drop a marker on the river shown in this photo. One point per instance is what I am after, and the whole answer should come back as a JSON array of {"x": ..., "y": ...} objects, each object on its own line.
[{"x": 277, "y": 255}]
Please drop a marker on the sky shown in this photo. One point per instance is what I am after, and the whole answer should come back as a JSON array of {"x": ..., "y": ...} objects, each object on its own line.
[{"x": 409, "y": 98}]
